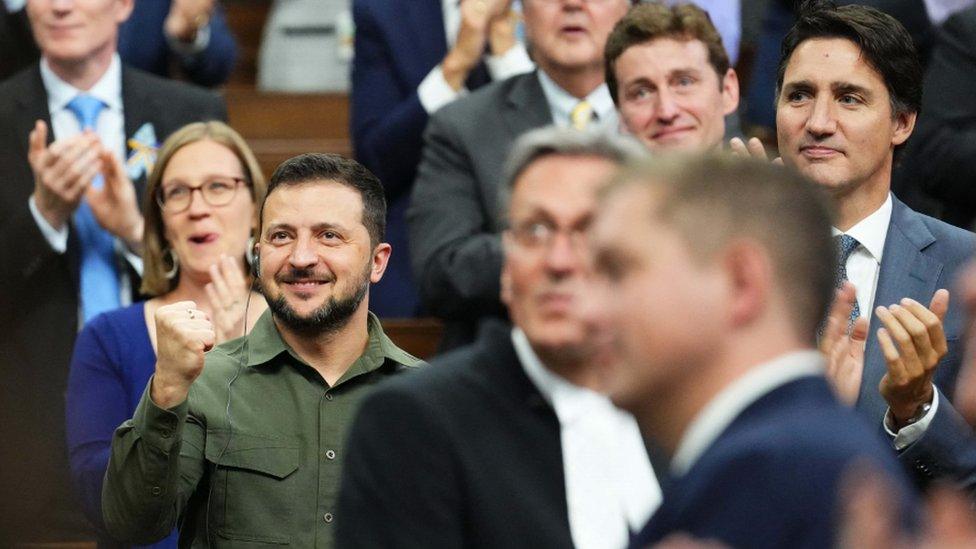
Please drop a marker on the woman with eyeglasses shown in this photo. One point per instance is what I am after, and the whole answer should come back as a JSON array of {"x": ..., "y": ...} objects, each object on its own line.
[{"x": 200, "y": 209}]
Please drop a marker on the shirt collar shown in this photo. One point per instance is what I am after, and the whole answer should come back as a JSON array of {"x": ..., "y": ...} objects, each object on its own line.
[
  {"x": 264, "y": 344},
  {"x": 108, "y": 88},
  {"x": 719, "y": 413},
  {"x": 872, "y": 231},
  {"x": 569, "y": 400},
  {"x": 561, "y": 102}
]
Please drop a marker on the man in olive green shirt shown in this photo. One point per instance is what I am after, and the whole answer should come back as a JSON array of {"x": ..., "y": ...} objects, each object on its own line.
[{"x": 246, "y": 446}]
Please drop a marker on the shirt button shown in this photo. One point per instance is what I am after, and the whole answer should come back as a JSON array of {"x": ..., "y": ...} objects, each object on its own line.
[
  {"x": 328, "y": 396},
  {"x": 328, "y": 517},
  {"x": 330, "y": 454},
  {"x": 156, "y": 490}
]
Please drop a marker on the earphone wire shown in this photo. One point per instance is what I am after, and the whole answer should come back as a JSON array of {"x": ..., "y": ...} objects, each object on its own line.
[{"x": 230, "y": 422}]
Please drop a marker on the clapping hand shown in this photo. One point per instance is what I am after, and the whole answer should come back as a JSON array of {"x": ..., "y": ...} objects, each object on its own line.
[
  {"x": 753, "y": 149},
  {"x": 62, "y": 172},
  {"x": 114, "y": 204},
  {"x": 844, "y": 352},
  {"x": 228, "y": 291}
]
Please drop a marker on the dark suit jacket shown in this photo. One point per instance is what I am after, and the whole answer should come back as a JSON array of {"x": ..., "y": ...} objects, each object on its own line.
[
  {"x": 16, "y": 42},
  {"x": 143, "y": 45},
  {"x": 398, "y": 42},
  {"x": 455, "y": 216},
  {"x": 464, "y": 454},
  {"x": 940, "y": 158},
  {"x": 39, "y": 301},
  {"x": 772, "y": 478}
]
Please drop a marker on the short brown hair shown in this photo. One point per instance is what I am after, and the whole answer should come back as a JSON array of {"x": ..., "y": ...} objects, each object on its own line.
[
  {"x": 650, "y": 21},
  {"x": 711, "y": 200},
  {"x": 154, "y": 281}
]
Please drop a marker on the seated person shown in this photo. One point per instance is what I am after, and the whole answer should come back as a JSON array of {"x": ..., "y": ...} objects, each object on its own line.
[{"x": 194, "y": 248}]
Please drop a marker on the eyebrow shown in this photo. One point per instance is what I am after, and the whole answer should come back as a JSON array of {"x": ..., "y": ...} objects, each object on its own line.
[{"x": 838, "y": 88}]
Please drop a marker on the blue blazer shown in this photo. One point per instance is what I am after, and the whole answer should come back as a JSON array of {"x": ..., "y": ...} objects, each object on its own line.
[
  {"x": 143, "y": 45},
  {"x": 921, "y": 255},
  {"x": 772, "y": 478}
]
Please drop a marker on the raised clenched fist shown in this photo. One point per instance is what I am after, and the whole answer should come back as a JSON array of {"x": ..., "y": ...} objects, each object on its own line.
[{"x": 183, "y": 334}]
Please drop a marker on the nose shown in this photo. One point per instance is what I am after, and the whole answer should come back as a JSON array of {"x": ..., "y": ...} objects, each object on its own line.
[
  {"x": 303, "y": 253},
  {"x": 667, "y": 106},
  {"x": 821, "y": 120},
  {"x": 563, "y": 256},
  {"x": 198, "y": 205}
]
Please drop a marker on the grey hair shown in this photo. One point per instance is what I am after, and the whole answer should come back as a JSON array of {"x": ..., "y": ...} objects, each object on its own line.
[{"x": 552, "y": 140}]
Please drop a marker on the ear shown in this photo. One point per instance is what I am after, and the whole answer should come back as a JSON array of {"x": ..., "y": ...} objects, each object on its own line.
[
  {"x": 749, "y": 273},
  {"x": 381, "y": 257},
  {"x": 730, "y": 92},
  {"x": 506, "y": 276},
  {"x": 904, "y": 126},
  {"x": 123, "y": 10}
]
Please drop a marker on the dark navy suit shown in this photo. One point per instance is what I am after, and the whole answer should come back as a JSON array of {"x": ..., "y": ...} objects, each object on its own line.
[
  {"x": 398, "y": 42},
  {"x": 143, "y": 45},
  {"x": 771, "y": 478}
]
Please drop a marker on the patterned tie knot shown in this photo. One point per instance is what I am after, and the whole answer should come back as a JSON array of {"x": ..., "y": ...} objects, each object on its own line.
[
  {"x": 86, "y": 109},
  {"x": 846, "y": 244},
  {"x": 581, "y": 115}
]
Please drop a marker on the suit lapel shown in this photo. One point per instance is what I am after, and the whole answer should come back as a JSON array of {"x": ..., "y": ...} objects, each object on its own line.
[
  {"x": 139, "y": 106},
  {"x": 906, "y": 271},
  {"x": 32, "y": 100},
  {"x": 526, "y": 107}
]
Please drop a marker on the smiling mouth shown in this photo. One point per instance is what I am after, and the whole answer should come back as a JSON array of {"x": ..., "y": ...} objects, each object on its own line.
[{"x": 672, "y": 133}]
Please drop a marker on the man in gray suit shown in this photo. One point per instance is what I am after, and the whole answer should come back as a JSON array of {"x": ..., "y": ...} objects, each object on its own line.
[
  {"x": 454, "y": 218},
  {"x": 849, "y": 92}
]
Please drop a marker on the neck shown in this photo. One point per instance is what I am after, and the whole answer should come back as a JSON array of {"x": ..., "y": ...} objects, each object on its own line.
[
  {"x": 852, "y": 207},
  {"x": 83, "y": 74},
  {"x": 668, "y": 414},
  {"x": 578, "y": 82},
  {"x": 331, "y": 354},
  {"x": 576, "y": 368}
]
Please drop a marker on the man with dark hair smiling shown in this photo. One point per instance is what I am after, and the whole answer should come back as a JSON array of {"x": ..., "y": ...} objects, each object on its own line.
[
  {"x": 247, "y": 445},
  {"x": 850, "y": 87}
]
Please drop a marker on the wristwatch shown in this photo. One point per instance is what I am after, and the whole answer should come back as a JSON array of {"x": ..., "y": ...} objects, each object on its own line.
[{"x": 919, "y": 414}]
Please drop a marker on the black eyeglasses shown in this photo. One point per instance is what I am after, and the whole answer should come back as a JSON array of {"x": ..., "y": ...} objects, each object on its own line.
[{"x": 218, "y": 191}]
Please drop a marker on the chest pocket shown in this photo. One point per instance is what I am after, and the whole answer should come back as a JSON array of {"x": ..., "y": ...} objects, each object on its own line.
[{"x": 253, "y": 487}]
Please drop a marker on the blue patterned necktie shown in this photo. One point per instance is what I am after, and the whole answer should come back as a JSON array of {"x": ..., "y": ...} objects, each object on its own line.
[
  {"x": 846, "y": 244},
  {"x": 99, "y": 278}
]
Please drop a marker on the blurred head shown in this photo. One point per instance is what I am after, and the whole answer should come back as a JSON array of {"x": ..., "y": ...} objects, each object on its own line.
[
  {"x": 691, "y": 252},
  {"x": 321, "y": 243},
  {"x": 553, "y": 176},
  {"x": 849, "y": 89},
  {"x": 69, "y": 32},
  {"x": 200, "y": 203},
  {"x": 669, "y": 75},
  {"x": 569, "y": 35}
]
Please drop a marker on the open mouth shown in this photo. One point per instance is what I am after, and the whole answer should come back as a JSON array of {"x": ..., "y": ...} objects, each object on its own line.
[
  {"x": 573, "y": 30},
  {"x": 204, "y": 238}
]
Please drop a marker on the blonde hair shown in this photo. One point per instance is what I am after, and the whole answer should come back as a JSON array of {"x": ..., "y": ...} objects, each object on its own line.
[{"x": 155, "y": 247}]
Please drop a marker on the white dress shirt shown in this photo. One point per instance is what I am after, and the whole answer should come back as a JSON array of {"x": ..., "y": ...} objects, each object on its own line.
[
  {"x": 561, "y": 104},
  {"x": 611, "y": 489},
  {"x": 864, "y": 264},
  {"x": 435, "y": 92},
  {"x": 110, "y": 127},
  {"x": 722, "y": 410}
]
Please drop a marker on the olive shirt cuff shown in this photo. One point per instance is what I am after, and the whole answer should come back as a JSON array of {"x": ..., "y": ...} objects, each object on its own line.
[{"x": 158, "y": 427}]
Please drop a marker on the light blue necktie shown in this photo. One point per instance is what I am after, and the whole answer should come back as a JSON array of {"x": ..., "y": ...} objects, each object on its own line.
[
  {"x": 99, "y": 278},
  {"x": 846, "y": 244}
]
